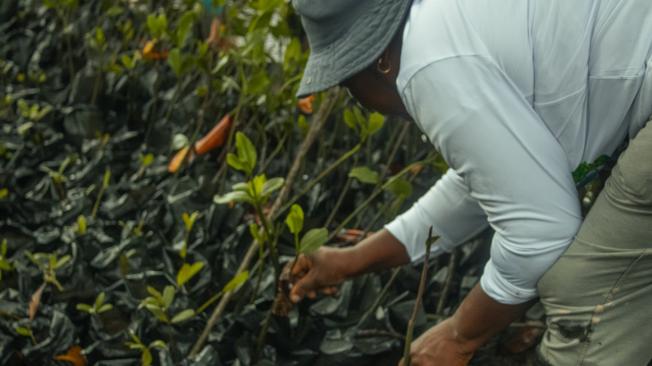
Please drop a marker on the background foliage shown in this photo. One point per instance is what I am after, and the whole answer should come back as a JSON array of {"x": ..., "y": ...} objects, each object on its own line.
[{"x": 108, "y": 254}]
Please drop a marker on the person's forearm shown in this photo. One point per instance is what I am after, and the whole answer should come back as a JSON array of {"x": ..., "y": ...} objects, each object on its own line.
[
  {"x": 480, "y": 317},
  {"x": 379, "y": 251}
]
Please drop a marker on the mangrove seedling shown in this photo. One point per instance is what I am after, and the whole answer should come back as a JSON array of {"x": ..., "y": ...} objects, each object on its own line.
[
  {"x": 310, "y": 242},
  {"x": 256, "y": 191},
  {"x": 159, "y": 303},
  {"x": 145, "y": 350},
  {"x": 49, "y": 263},
  {"x": 98, "y": 307}
]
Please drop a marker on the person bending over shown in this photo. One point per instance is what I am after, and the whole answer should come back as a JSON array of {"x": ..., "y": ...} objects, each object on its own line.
[{"x": 515, "y": 95}]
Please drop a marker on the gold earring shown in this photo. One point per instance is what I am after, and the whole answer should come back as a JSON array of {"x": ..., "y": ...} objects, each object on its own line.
[{"x": 383, "y": 69}]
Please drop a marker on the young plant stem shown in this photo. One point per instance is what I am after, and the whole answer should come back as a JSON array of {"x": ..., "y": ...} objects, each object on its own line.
[
  {"x": 279, "y": 147},
  {"x": 395, "y": 147},
  {"x": 260, "y": 340},
  {"x": 259, "y": 275},
  {"x": 270, "y": 238},
  {"x": 341, "y": 196},
  {"x": 409, "y": 334},
  {"x": 383, "y": 211},
  {"x": 379, "y": 298},
  {"x": 447, "y": 285},
  {"x": 319, "y": 177},
  {"x": 316, "y": 126},
  {"x": 96, "y": 205},
  {"x": 339, "y": 201}
]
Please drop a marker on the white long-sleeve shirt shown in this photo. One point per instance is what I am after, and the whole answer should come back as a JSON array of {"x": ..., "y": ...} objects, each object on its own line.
[{"x": 515, "y": 94}]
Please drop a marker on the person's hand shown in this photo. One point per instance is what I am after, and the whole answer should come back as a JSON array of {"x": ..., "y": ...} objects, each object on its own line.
[
  {"x": 321, "y": 271},
  {"x": 440, "y": 346}
]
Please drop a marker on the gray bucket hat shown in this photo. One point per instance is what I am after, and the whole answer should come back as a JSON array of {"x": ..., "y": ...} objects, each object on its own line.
[{"x": 345, "y": 36}]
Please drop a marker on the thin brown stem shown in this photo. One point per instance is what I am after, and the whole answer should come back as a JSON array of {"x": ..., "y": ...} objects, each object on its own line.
[
  {"x": 447, "y": 285},
  {"x": 409, "y": 334},
  {"x": 371, "y": 197},
  {"x": 319, "y": 177}
]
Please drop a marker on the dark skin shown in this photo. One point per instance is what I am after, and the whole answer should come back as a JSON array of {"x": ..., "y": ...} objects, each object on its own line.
[{"x": 453, "y": 341}]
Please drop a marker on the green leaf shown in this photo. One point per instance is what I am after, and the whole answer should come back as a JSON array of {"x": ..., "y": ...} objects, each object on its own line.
[
  {"x": 188, "y": 271},
  {"x": 114, "y": 11},
  {"x": 133, "y": 345},
  {"x": 359, "y": 117},
  {"x": 303, "y": 124},
  {"x": 152, "y": 25},
  {"x": 246, "y": 152},
  {"x": 242, "y": 186},
  {"x": 81, "y": 224},
  {"x": 146, "y": 357},
  {"x": 294, "y": 220},
  {"x": 313, "y": 240},
  {"x": 349, "y": 119},
  {"x": 235, "y": 196},
  {"x": 135, "y": 338},
  {"x": 236, "y": 282},
  {"x": 376, "y": 122},
  {"x": 293, "y": 52},
  {"x": 62, "y": 261},
  {"x": 182, "y": 316},
  {"x": 155, "y": 293},
  {"x": 256, "y": 186},
  {"x": 175, "y": 61},
  {"x": 160, "y": 344},
  {"x": 38, "y": 114},
  {"x": 168, "y": 296},
  {"x": 158, "y": 312},
  {"x": 400, "y": 187},
  {"x": 189, "y": 220},
  {"x": 183, "y": 27},
  {"x": 106, "y": 179},
  {"x": 23, "y": 108},
  {"x": 128, "y": 62},
  {"x": 5, "y": 265},
  {"x": 137, "y": 346},
  {"x": 272, "y": 185},
  {"x": 25, "y": 332},
  {"x": 150, "y": 300},
  {"x": 157, "y": 25},
  {"x": 100, "y": 38},
  {"x": 235, "y": 162},
  {"x": 146, "y": 160},
  {"x": 257, "y": 234},
  {"x": 85, "y": 308},
  {"x": 99, "y": 300},
  {"x": 104, "y": 308},
  {"x": 364, "y": 175}
]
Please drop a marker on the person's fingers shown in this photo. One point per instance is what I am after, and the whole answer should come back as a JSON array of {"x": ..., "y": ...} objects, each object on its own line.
[
  {"x": 301, "y": 267},
  {"x": 302, "y": 287},
  {"x": 329, "y": 291}
]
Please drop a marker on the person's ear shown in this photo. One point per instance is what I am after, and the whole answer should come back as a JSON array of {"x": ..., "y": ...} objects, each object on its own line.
[{"x": 384, "y": 63}]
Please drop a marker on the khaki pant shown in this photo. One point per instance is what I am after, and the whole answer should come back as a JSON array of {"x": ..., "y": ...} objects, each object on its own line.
[{"x": 598, "y": 295}]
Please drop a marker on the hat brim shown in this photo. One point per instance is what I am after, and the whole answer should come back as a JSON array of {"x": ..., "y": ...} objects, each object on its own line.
[{"x": 362, "y": 44}]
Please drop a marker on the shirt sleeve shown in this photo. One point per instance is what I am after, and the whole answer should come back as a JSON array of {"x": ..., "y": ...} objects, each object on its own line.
[
  {"x": 511, "y": 163},
  {"x": 449, "y": 209}
]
